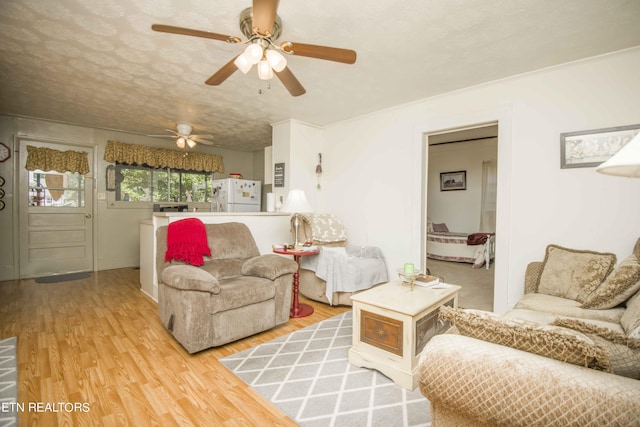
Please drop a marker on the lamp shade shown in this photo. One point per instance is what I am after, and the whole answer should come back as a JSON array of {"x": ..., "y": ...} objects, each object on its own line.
[
  {"x": 296, "y": 202},
  {"x": 625, "y": 162}
]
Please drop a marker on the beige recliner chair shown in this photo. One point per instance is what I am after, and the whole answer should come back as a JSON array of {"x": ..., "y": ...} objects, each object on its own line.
[
  {"x": 236, "y": 293},
  {"x": 340, "y": 269}
]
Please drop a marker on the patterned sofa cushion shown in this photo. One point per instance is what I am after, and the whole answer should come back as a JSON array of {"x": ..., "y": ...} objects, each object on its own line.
[
  {"x": 545, "y": 340},
  {"x": 621, "y": 284},
  {"x": 630, "y": 319},
  {"x": 623, "y": 351},
  {"x": 573, "y": 274}
]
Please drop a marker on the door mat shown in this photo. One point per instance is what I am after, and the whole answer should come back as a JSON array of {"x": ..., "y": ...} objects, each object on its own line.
[
  {"x": 308, "y": 376},
  {"x": 64, "y": 277}
]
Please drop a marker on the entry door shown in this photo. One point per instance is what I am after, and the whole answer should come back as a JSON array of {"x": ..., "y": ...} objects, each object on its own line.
[{"x": 56, "y": 216}]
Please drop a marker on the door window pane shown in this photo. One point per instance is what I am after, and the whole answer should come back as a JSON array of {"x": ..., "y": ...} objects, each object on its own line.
[{"x": 54, "y": 189}]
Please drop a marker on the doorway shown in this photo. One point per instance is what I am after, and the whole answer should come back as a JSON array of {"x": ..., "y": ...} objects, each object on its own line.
[
  {"x": 55, "y": 213},
  {"x": 453, "y": 213}
]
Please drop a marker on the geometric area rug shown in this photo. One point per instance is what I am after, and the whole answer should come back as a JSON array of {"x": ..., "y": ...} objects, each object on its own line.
[
  {"x": 307, "y": 375},
  {"x": 8, "y": 382}
]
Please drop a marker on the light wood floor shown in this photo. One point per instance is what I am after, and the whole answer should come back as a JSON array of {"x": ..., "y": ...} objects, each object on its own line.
[{"x": 99, "y": 341}]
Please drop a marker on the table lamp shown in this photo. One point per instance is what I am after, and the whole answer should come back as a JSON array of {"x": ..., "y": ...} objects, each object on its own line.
[
  {"x": 296, "y": 204},
  {"x": 625, "y": 162}
]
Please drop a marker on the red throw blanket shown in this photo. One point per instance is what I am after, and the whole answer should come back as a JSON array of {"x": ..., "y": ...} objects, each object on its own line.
[
  {"x": 187, "y": 241},
  {"x": 478, "y": 238}
]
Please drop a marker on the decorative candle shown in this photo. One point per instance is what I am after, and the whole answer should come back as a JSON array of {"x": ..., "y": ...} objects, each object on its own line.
[{"x": 408, "y": 268}]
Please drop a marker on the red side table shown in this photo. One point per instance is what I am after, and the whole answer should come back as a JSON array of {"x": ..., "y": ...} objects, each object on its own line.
[{"x": 298, "y": 309}]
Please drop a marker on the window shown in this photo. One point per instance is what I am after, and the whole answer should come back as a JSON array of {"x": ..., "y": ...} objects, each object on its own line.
[
  {"x": 145, "y": 184},
  {"x": 54, "y": 189}
]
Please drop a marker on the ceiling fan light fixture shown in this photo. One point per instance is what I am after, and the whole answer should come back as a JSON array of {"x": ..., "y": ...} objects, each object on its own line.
[
  {"x": 253, "y": 53},
  {"x": 277, "y": 61},
  {"x": 191, "y": 143},
  {"x": 242, "y": 63},
  {"x": 180, "y": 142},
  {"x": 265, "y": 72}
]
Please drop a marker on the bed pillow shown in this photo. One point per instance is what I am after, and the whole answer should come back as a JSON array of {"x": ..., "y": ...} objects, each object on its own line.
[
  {"x": 573, "y": 274},
  {"x": 621, "y": 284},
  {"x": 429, "y": 225},
  {"x": 549, "y": 341},
  {"x": 440, "y": 228}
]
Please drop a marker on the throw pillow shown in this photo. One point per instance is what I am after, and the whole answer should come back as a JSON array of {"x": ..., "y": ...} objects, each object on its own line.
[
  {"x": 630, "y": 320},
  {"x": 440, "y": 228},
  {"x": 623, "y": 282},
  {"x": 548, "y": 341},
  {"x": 573, "y": 274}
]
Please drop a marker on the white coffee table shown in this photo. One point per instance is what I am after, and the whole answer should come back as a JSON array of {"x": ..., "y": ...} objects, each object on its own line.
[{"x": 392, "y": 324}]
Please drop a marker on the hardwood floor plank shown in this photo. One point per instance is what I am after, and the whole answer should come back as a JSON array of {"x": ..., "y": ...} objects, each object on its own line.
[{"x": 99, "y": 341}]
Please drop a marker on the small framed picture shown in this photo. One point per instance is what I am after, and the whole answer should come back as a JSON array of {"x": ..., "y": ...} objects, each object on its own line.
[
  {"x": 450, "y": 181},
  {"x": 589, "y": 148}
]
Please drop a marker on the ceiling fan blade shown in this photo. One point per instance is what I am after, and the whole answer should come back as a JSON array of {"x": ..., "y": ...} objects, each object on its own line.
[
  {"x": 223, "y": 73},
  {"x": 202, "y": 136},
  {"x": 175, "y": 134},
  {"x": 290, "y": 82},
  {"x": 264, "y": 15},
  {"x": 336, "y": 54},
  {"x": 203, "y": 141},
  {"x": 196, "y": 33}
]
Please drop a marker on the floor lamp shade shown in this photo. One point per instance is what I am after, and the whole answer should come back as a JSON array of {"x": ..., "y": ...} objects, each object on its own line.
[{"x": 625, "y": 162}]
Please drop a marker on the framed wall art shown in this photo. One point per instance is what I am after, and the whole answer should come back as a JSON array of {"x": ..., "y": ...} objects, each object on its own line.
[
  {"x": 590, "y": 148},
  {"x": 453, "y": 181}
]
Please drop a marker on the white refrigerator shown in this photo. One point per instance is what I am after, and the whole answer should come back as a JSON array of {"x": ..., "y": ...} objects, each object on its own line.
[{"x": 236, "y": 195}]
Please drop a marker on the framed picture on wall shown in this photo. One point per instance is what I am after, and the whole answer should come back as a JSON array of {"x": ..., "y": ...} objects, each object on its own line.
[
  {"x": 450, "y": 181},
  {"x": 589, "y": 148}
]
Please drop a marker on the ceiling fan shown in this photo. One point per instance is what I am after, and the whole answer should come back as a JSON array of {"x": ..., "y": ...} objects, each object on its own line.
[
  {"x": 262, "y": 26},
  {"x": 183, "y": 136}
]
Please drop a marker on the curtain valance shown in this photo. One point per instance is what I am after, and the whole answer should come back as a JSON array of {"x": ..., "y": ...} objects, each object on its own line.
[
  {"x": 135, "y": 154},
  {"x": 47, "y": 159}
]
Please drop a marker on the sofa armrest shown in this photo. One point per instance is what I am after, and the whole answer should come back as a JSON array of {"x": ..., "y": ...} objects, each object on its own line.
[
  {"x": 190, "y": 278},
  {"x": 497, "y": 385},
  {"x": 532, "y": 277},
  {"x": 364, "y": 251},
  {"x": 269, "y": 266}
]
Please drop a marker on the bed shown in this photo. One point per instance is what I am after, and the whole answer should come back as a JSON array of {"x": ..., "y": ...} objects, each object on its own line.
[{"x": 477, "y": 249}]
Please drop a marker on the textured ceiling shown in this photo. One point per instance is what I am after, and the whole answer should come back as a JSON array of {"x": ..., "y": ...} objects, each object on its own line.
[{"x": 98, "y": 63}]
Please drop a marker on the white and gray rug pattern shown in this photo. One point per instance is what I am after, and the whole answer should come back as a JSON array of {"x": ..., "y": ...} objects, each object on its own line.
[
  {"x": 308, "y": 376},
  {"x": 8, "y": 382}
]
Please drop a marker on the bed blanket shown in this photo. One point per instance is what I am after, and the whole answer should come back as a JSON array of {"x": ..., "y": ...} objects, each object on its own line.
[{"x": 357, "y": 269}]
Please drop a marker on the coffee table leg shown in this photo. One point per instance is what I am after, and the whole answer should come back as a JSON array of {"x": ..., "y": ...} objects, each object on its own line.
[{"x": 298, "y": 309}]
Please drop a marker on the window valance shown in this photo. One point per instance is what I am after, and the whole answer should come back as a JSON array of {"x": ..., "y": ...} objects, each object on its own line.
[
  {"x": 46, "y": 159},
  {"x": 135, "y": 154}
]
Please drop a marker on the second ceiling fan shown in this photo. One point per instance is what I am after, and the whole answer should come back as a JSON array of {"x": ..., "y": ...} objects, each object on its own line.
[{"x": 262, "y": 26}]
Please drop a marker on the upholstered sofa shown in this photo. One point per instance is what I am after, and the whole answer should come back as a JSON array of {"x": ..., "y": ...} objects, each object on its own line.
[
  {"x": 568, "y": 354},
  {"x": 235, "y": 293}
]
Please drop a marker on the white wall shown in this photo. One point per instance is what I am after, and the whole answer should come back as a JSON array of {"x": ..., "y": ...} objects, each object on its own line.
[
  {"x": 374, "y": 169},
  {"x": 117, "y": 239},
  {"x": 459, "y": 210},
  {"x": 297, "y": 144}
]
